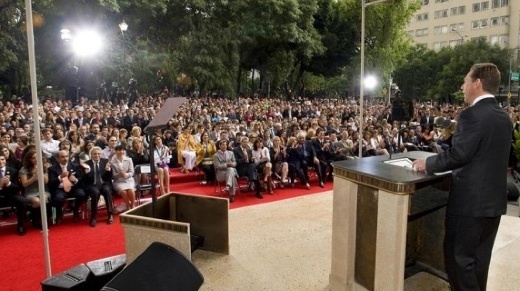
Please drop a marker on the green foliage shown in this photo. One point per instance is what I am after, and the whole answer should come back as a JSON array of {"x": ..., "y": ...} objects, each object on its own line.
[
  {"x": 296, "y": 45},
  {"x": 426, "y": 74},
  {"x": 516, "y": 144}
]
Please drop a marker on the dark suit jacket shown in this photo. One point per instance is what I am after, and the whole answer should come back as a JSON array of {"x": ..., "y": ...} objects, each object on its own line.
[
  {"x": 429, "y": 120},
  {"x": 106, "y": 176},
  {"x": 239, "y": 155},
  {"x": 14, "y": 187},
  {"x": 301, "y": 152},
  {"x": 128, "y": 122},
  {"x": 478, "y": 159},
  {"x": 55, "y": 172}
]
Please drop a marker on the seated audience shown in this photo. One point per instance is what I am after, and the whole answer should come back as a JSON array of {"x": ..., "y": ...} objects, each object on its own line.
[
  {"x": 64, "y": 182},
  {"x": 278, "y": 155},
  {"x": 161, "y": 155},
  {"x": 29, "y": 180},
  {"x": 123, "y": 175},
  {"x": 262, "y": 160},
  {"x": 225, "y": 171},
  {"x": 186, "y": 147},
  {"x": 246, "y": 167},
  {"x": 205, "y": 151},
  {"x": 9, "y": 193},
  {"x": 98, "y": 181}
]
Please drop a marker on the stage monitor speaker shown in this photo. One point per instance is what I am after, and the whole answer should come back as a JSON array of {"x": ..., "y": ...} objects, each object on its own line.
[
  {"x": 159, "y": 267},
  {"x": 104, "y": 270},
  {"x": 402, "y": 110},
  {"x": 75, "y": 279}
]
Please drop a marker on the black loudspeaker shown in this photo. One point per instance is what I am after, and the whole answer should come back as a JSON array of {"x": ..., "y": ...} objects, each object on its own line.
[
  {"x": 402, "y": 110},
  {"x": 75, "y": 279},
  {"x": 159, "y": 267},
  {"x": 105, "y": 269}
]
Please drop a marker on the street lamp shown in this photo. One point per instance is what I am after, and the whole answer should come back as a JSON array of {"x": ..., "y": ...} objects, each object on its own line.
[
  {"x": 460, "y": 35},
  {"x": 362, "y": 70},
  {"x": 123, "y": 27}
]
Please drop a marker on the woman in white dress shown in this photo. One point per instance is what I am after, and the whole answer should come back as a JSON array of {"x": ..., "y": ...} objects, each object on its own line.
[
  {"x": 161, "y": 157},
  {"x": 187, "y": 147},
  {"x": 123, "y": 173}
]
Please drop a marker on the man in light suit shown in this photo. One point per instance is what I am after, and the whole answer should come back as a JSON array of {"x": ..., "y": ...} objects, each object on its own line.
[
  {"x": 224, "y": 163},
  {"x": 98, "y": 181},
  {"x": 478, "y": 159}
]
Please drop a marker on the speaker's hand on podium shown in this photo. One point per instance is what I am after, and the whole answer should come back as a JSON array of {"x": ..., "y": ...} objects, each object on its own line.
[{"x": 419, "y": 165}]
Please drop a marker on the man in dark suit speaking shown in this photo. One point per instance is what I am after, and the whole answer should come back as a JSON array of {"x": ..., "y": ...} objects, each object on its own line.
[{"x": 478, "y": 160}]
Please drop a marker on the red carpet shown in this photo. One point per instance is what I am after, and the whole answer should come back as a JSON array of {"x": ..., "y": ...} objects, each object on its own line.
[{"x": 22, "y": 259}]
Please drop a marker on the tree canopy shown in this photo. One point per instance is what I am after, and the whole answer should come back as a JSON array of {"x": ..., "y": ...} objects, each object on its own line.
[
  {"x": 213, "y": 46},
  {"x": 429, "y": 75}
]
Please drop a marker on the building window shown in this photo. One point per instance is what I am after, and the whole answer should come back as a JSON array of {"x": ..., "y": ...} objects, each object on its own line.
[
  {"x": 484, "y": 38},
  {"x": 493, "y": 39},
  {"x": 421, "y": 32},
  {"x": 476, "y": 7},
  {"x": 495, "y": 21},
  {"x": 475, "y": 24},
  {"x": 460, "y": 10},
  {"x": 422, "y": 17},
  {"x": 441, "y": 1},
  {"x": 441, "y": 14},
  {"x": 504, "y": 40},
  {"x": 436, "y": 46},
  {"x": 504, "y": 20},
  {"x": 484, "y": 5},
  {"x": 483, "y": 23},
  {"x": 499, "y": 3}
]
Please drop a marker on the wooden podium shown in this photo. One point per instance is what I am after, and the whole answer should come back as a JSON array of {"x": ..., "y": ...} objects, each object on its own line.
[{"x": 385, "y": 216}]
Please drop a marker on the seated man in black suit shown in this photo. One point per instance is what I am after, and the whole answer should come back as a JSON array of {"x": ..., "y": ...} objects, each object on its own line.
[
  {"x": 9, "y": 192},
  {"x": 246, "y": 166},
  {"x": 98, "y": 181},
  {"x": 308, "y": 155},
  {"x": 322, "y": 148},
  {"x": 64, "y": 182}
]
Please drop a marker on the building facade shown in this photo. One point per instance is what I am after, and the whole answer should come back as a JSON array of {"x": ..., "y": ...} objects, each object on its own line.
[{"x": 443, "y": 23}]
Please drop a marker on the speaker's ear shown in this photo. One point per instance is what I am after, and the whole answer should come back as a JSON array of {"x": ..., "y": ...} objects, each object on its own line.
[{"x": 159, "y": 267}]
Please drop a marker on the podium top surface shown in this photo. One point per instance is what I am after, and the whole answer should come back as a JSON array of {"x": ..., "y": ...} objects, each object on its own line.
[{"x": 379, "y": 172}]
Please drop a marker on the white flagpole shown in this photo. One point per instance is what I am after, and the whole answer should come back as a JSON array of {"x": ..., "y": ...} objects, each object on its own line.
[{"x": 36, "y": 120}]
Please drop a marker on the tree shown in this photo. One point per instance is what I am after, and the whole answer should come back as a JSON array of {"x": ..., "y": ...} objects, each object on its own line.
[{"x": 426, "y": 74}]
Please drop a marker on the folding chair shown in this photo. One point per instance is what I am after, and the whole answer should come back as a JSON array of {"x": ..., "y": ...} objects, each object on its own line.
[{"x": 140, "y": 187}]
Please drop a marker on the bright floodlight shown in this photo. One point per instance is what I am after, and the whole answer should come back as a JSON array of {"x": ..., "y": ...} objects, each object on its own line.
[
  {"x": 370, "y": 82},
  {"x": 65, "y": 34},
  {"x": 86, "y": 43},
  {"x": 123, "y": 26}
]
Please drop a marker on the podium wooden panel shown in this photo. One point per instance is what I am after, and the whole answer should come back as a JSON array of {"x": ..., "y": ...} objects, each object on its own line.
[{"x": 372, "y": 206}]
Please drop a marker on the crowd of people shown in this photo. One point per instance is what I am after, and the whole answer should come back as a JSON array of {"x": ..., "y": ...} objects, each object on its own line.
[{"x": 90, "y": 148}]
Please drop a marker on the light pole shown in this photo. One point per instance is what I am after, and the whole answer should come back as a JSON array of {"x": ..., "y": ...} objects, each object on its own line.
[
  {"x": 123, "y": 27},
  {"x": 389, "y": 89},
  {"x": 460, "y": 35},
  {"x": 362, "y": 70}
]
